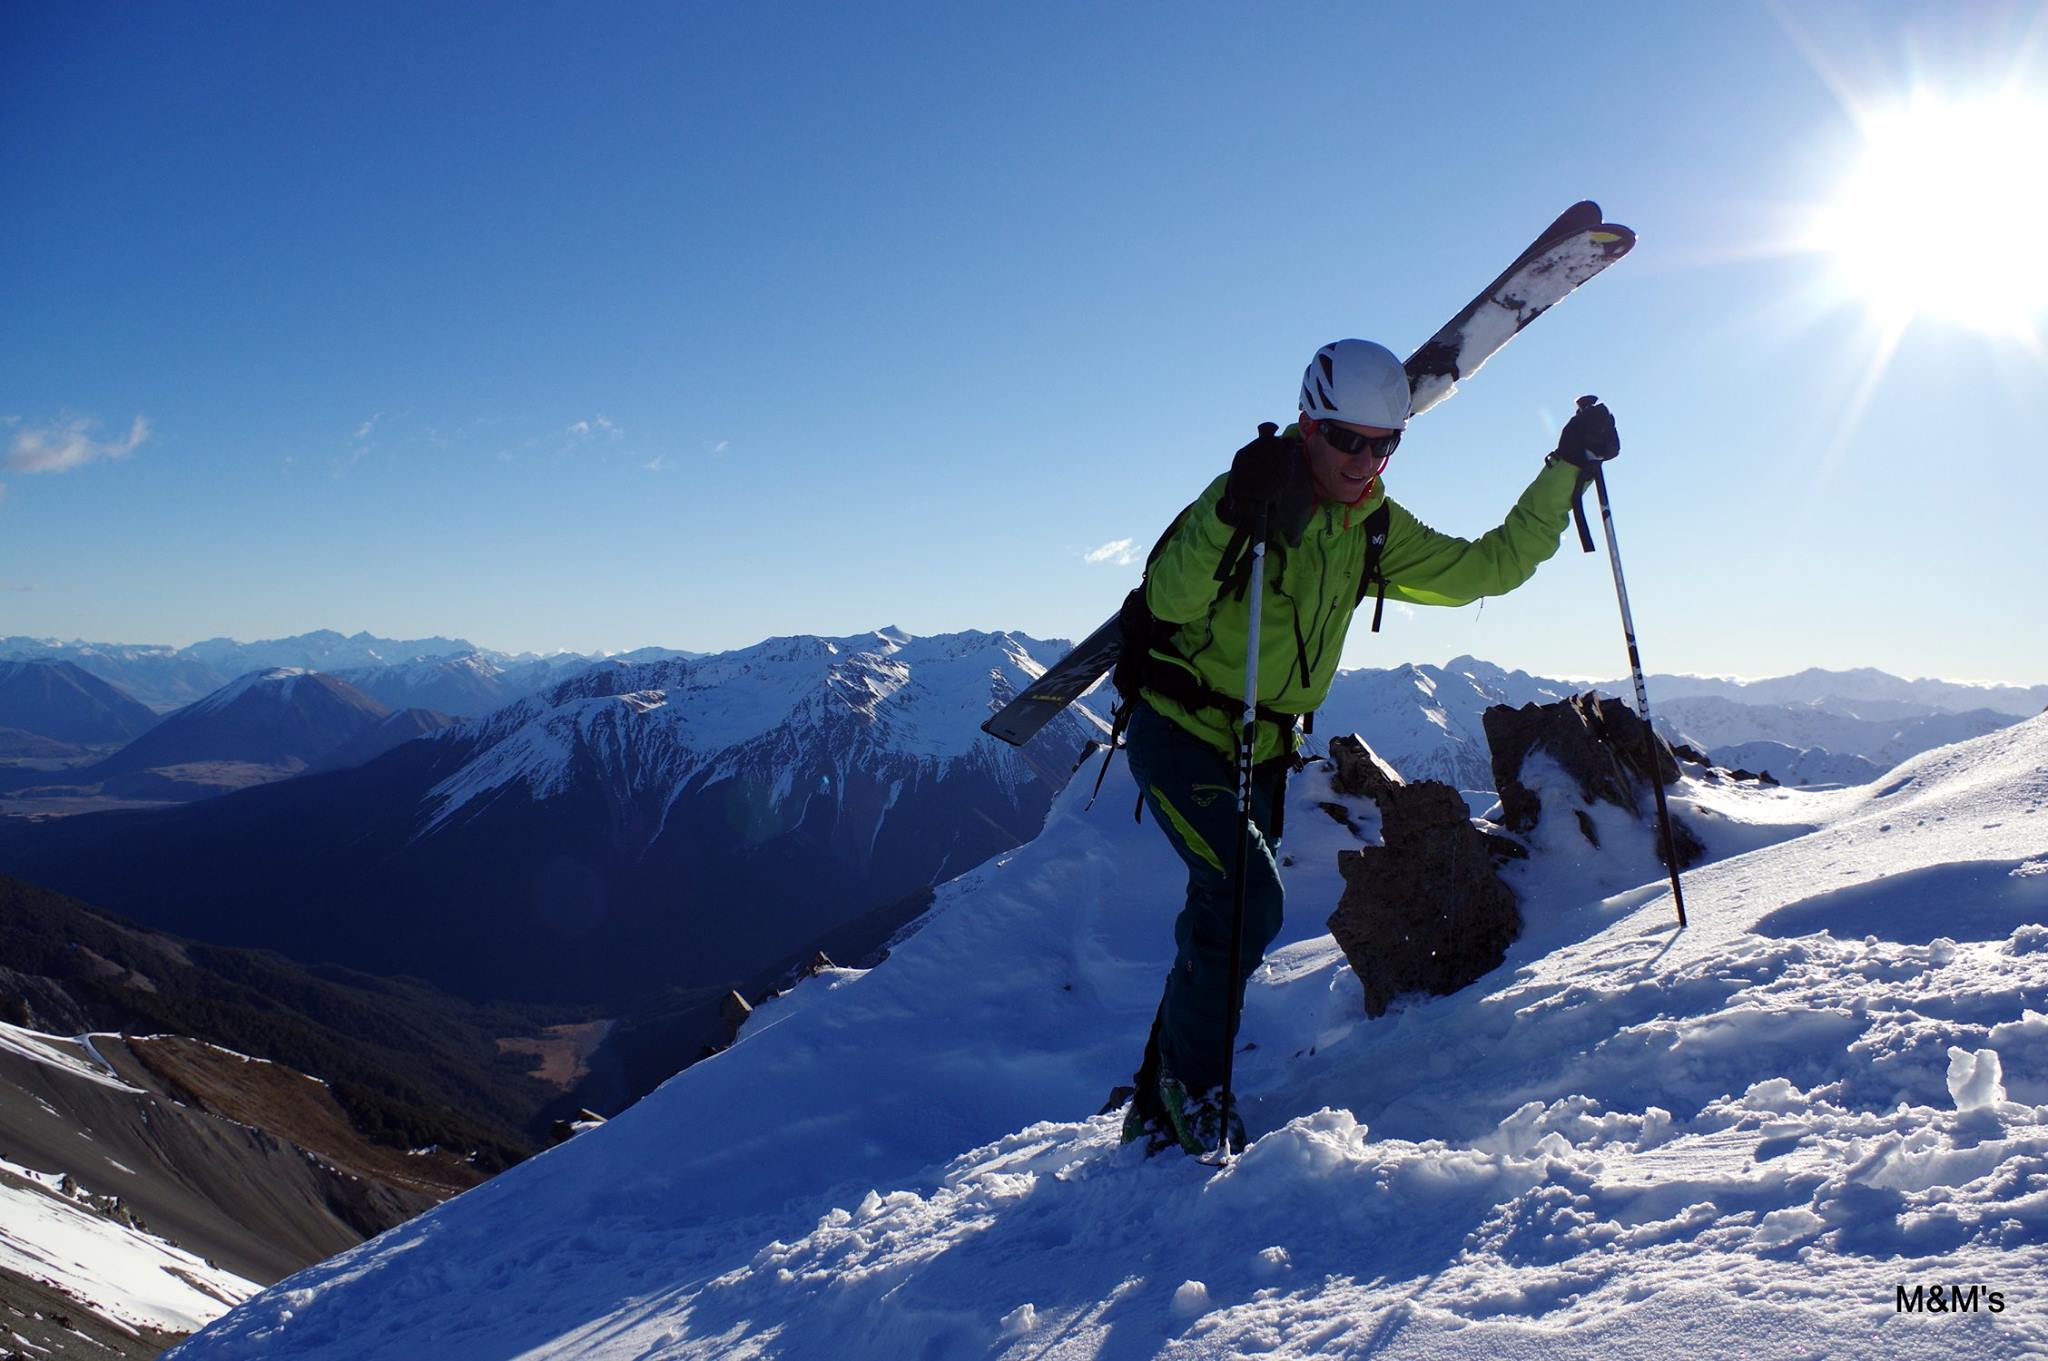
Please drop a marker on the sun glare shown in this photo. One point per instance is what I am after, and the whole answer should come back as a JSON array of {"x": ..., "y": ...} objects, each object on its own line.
[{"x": 1946, "y": 215}]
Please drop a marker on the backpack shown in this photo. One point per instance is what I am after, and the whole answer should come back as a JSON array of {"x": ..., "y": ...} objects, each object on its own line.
[{"x": 1144, "y": 633}]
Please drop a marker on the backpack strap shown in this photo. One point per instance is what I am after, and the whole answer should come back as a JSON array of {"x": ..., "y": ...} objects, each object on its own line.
[{"x": 1372, "y": 581}]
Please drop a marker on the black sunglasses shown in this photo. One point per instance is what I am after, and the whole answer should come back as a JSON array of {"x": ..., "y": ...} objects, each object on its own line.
[{"x": 1351, "y": 442}]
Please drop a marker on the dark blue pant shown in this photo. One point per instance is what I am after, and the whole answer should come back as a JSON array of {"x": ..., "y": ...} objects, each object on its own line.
[{"x": 1192, "y": 791}]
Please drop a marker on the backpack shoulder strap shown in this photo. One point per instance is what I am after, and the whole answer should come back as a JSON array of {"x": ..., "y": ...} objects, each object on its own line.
[{"x": 1370, "y": 579}]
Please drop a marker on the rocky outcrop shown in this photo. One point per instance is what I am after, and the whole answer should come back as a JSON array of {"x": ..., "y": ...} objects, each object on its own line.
[
  {"x": 733, "y": 1013},
  {"x": 1600, "y": 744},
  {"x": 1425, "y": 911}
]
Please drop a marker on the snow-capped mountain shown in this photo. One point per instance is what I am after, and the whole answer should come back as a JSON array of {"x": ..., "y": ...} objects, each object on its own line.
[
  {"x": 1796, "y": 765},
  {"x": 321, "y": 650},
  {"x": 449, "y": 674},
  {"x": 1713, "y": 723},
  {"x": 1864, "y": 692},
  {"x": 278, "y": 721},
  {"x": 1426, "y": 719},
  {"x": 637, "y": 827},
  {"x": 473, "y": 683},
  {"x": 1744, "y": 1135},
  {"x": 465, "y": 684}
]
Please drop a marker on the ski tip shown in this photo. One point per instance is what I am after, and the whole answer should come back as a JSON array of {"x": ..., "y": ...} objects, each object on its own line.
[{"x": 1613, "y": 239}]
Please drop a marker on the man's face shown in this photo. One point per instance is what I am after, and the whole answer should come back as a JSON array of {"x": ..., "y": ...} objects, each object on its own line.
[{"x": 1340, "y": 476}]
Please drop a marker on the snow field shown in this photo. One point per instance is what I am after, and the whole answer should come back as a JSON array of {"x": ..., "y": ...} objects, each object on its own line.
[
  {"x": 132, "y": 1278},
  {"x": 1738, "y": 1140}
]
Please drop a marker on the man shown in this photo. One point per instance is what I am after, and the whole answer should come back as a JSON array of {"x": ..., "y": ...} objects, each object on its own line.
[{"x": 1318, "y": 484}]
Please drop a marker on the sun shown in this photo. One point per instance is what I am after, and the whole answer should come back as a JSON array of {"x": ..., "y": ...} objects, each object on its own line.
[{"x": 1945, "y": 214}]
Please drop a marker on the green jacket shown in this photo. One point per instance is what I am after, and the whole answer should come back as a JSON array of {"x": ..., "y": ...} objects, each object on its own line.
[{"x": 1311, "y": 592}]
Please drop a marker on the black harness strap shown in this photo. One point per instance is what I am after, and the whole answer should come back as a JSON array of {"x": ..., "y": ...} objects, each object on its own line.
[{"x": 1372, "y": 581}]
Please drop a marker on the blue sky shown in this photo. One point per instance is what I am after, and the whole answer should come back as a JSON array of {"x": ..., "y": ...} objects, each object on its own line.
[{"x": 620, "y": 325}]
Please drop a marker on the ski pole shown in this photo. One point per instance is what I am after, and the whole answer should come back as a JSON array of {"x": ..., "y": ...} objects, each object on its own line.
[
  {"x": 1247, "y": 745},
  {"x": 1635, "y": 662}
]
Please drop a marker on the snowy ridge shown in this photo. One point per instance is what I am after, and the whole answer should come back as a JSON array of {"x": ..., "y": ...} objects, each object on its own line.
[
  {"x": 886, "y": 703},
  {"x": 281, "y": 678},
  {"x": 76, "y": 1057},
  {"x": 1746, "y": 1134}
]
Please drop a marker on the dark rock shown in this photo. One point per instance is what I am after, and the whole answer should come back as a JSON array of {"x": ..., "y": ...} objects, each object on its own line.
[
  {"x": 1361, "y": 772},
  {"x": 819, "y": 963},
  {"x": 1600, "y": 743},
  {"x": 1425, "y": 912},
  {"x": 562, "y": 1131}
]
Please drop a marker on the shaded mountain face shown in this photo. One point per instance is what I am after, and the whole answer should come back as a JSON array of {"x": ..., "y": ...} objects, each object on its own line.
[
  {"x": 639, "y": 827},
  {"x": 64, "y": 703},
  {"x": 392, "y": 731},
  {"x": 282, "y": 718}
]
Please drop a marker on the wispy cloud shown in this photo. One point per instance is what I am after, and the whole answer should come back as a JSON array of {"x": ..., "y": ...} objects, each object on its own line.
[
  {"x": 656, "y": 464},
  {"x": 599, "y": 426},
  {"x": 719, "y": 448},
  {"x": 69, "y": 444},
  {"x": 363, "y": 430},
  {"x": 1118, "y": 552}
]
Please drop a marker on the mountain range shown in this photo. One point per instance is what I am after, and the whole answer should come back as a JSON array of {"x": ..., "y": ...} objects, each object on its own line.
[
  {"x": 265, "y": 726},
  {"x": 596, "y": 842},
  {"x": 448, "y": 674},
  {"x": 1863, "y": 692},
  {"x": 642, "y": 826}
]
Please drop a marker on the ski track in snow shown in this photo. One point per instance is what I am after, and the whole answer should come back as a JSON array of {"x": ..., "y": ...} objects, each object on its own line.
[{"x": 1739, "y": 1140}]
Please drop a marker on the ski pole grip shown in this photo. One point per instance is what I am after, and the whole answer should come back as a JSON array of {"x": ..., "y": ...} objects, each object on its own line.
[{"x": 1579, "y": 518}]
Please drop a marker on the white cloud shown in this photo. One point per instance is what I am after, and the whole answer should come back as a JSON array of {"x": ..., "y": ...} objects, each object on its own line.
[
  {"x": 69, "y": 444},
  {"x": 599, "y": 426},
  {"x": 719, "y": 447},
  {"x": 1119, "y": 552},
  {"x": 656, "y": 464},
  {"x": 363, "y": 430}
]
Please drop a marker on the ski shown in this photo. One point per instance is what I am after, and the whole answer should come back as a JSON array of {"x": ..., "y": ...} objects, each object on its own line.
[
  {"x": 1571, "y": 250},
  {"x": 1065, "y": 681}
]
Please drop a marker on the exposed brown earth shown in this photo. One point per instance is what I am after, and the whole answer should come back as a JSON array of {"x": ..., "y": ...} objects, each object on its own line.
[
  {"x": 562, "y": 1052},
  {"x": 286, "y": 1103}
]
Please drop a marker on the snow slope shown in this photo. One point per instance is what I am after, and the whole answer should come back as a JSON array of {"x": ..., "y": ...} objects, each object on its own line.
[
  {"x": 1737, "y": 1140},
  {"x": 52, "y": 1232}
]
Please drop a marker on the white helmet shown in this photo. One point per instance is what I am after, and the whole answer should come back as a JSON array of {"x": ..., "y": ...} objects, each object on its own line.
[{"x": 1357, "y": 382}]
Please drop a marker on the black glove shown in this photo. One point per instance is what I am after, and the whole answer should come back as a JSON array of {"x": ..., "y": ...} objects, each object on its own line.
[
  {"x": 1589, "y": 438},
  {"x": 1269, "y": 474}
]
